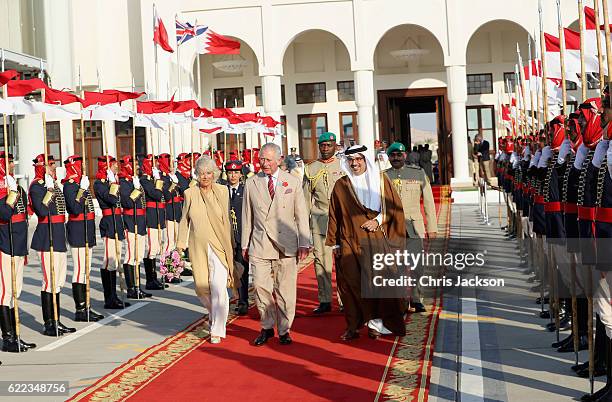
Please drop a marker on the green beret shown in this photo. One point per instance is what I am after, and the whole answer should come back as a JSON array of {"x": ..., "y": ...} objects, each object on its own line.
[
  {"x": 396, "y": 147},
  {"x": 327, "y": 137}
]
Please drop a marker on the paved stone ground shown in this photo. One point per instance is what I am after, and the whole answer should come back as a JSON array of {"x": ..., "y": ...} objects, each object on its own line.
[
  {"x": 511, "y": 360},
  {"x": 503, "y": 353}
]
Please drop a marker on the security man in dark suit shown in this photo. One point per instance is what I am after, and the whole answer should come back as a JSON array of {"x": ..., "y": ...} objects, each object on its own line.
[
  {"x": 80, "y": 208},
  {"x": 47, "y": 202},
  {"x": 235, "y": 185},
  {"x": 13, "y": 201},
  {"x": 106, "y": 188}
]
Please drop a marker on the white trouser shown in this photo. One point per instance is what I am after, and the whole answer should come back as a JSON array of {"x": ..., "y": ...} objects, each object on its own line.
[
  {"x": 217, "y": 302},
  {"x": 130, "y": 251},
  {"x": 6, "y": 275},
  {"x": 171, "y": 231},
  {"x": 155, "y": 242},
  {"x": 59, "y": 270},
  {"x": 78, "y": 263},
  {"x": 602, "y": 299},
  {"x": 112, "y": 253}
]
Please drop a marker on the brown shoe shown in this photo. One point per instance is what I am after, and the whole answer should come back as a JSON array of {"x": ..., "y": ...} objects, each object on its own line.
[{"x": 349, "y": 335}]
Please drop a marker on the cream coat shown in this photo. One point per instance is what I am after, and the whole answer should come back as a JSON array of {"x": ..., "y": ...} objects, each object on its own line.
[{"x": 202, "y": 224}]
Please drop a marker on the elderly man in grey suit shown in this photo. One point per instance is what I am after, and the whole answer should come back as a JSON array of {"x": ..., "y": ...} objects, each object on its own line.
[{"x": 275, "y": 234}]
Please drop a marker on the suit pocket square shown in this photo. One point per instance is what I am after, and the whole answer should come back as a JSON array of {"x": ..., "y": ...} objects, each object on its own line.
[{"x": 289, "y": 190}]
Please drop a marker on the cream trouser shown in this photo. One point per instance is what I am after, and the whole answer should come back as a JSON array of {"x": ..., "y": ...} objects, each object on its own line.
[
  {"x": 6, "y": 275},
  {"x": 59, "y": 270},
  {"x": 171, "y": 232},
  {"x": 602, "y": 299},
  {"x": 217, "y": 302},
  {"x": 275, "y": 283},
  {"x": 112, "y": 253},
  {"x": 155, "y": 242},
  {"x": 130, "y": 251},
  {"x": 78, "y": 263}
]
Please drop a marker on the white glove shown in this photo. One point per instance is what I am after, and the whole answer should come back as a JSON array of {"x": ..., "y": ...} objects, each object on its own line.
[
  {"x": 136, "y": 182},
  {"x": 110, "y": 176},
  {"x": 581, "y": 153},
  {"x": 84, "y": 183},
  {"x": 155, "y": 173},
  {"x": 565, "y": 149},
  {"x": 600, "y": 151},
  {"x": 11, "y": 183},
  {"x": 49, "y": 182},
  {"x": 193, "y": 174},
  {"x": 173, "y": 178}
]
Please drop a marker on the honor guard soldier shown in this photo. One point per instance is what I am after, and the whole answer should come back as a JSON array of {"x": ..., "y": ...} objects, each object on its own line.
[
  {"x": 13, "y": 244},
  {"x": 47, "y": 202},
  {"x": 133, "y": 206},
  {"x": 184, "y": 173},
  {"x": 235, "y": 185},
  {"x": 155, "y": 216},
  {"x": 320, "y": 176},
  {"x": 603, "y": 232},
  {"x": 106, "y": 189},
  {"x": 412, "y": 184},
  {"x": 81, "y": 222},
  {"x": 174, "y": 201},
  {"x": 587, "y": 199}
]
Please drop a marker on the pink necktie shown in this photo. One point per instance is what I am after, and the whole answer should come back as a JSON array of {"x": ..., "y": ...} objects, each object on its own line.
[{"x": 271, "y": 186}]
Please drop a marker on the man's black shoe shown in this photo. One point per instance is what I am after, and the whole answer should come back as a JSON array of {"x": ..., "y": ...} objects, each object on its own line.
[
  {"x": 323, "y": 308},
  {"x": 242, "y": 309},
  {"x": 419, "y": 308},
  {"x": 263, "y": 337},
  {"x": 569, "y": 347},
  {"x": 285, "y": 339}
]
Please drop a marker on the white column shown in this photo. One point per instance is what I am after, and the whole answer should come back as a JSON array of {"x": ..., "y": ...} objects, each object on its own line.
[
  {"x": 457, "y": 96},
  {"x": 272, "y": 100},
  {"x": 364, "y": 98}
]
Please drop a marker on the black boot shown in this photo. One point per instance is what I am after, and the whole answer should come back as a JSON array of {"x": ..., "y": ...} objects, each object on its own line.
[
  {"x": 46, "y": 302},
  {"x": 113, "y": 302},
  {"x": 9, "y": 338},
  {"x": 133, "y": 291},
  {"x": 605, "y": 393},
  {"x": 152, "y": 282},
  {"x": 106, "y": 286},
  {"x": 599, "y": 349},
  {"x": 79, "y": 294},
  {"x": 62, "y": 327},
  {"x": 138, "y": 283},
  {"x": 23, "y": 343},
  {"x": 563, "y": 341}
]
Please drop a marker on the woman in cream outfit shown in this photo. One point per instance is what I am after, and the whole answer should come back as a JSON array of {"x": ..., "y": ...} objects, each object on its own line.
[{"x": 206, "y": 229}]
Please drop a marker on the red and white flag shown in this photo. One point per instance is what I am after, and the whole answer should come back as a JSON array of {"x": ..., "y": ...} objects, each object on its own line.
[
  {"x": 590, "y": 38},
  {"x": 8, "y": 75},
  {"x": 209, "y": 42},
  {"x": 160, "y": 35}
]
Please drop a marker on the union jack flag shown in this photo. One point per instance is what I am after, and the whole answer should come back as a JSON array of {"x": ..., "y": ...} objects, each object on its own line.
[{"x": 186, "y": 31}]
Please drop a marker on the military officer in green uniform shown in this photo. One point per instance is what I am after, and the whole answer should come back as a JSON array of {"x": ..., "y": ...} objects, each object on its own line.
[
  {"x": 412, "y": 184},
  {"x": 319, "y": 179}
]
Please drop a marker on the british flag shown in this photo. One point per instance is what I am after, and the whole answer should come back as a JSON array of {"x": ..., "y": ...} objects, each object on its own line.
[{"x": 186, "y": 31}]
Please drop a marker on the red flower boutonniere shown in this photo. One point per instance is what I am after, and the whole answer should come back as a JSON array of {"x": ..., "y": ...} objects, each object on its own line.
[{"x": 285, "y": 184}]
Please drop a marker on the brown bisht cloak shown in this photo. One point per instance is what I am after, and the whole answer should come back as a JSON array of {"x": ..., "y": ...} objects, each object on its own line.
[{"x": 346, "y": 215}]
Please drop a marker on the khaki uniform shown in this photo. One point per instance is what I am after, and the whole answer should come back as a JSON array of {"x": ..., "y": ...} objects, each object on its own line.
[
  {"x": 319, "y": 181},
  {"x": 412, "y": 183}
]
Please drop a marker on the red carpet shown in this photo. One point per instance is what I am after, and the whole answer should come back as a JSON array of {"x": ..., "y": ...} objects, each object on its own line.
[{"x": 316, "y": 367}]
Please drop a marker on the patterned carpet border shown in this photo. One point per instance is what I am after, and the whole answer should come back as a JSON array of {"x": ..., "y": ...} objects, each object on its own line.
[
  {"x": 408, "y": 373},
  {"x": 406, "y": 377}
]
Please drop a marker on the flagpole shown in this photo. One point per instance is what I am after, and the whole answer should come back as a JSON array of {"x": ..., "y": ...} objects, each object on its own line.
[
  {"x": 135, "y": 173},
  {"x": 113, "y": 207},
  {"x": 583, "y": 79},
  {"x": 10, "y": 223},
  {"x": 599, "y": 46},
  {"x": 604, "y": 4},
  {"x": 543, "y": 56},
  {"x": 538, "y": 69},
  {"x": 523, "y": 96},
  {"x": 530, "y": 69},
  {"x": 562, "y": 61},
  {"x": 84, "y": 169}
]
